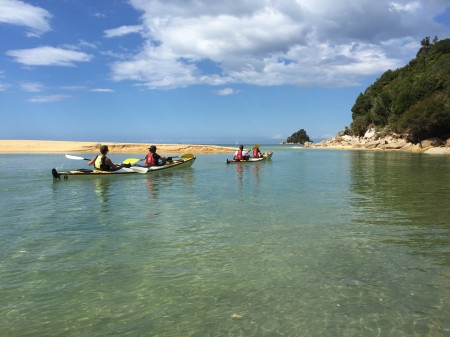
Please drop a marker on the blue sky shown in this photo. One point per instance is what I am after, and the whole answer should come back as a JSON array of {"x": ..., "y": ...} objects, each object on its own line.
[{"x": 197, "y": 71}]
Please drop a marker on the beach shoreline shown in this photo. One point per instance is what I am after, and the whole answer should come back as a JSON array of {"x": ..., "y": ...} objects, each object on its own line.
[
  {"x": 51, "y": 146},
  {"x": 378, "y": 141}
]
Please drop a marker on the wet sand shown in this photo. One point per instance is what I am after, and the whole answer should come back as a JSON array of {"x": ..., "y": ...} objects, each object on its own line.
[{"x": 48, "y": 146}]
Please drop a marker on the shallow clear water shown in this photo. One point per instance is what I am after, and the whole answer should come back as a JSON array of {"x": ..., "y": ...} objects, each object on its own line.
[{"x": 312, "y": 243}]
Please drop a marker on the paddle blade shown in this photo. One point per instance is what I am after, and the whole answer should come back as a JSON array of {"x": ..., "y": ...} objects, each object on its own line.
[
  {"x": 256, "y": 146},
  {"x": 68, "y": 156},
  {"x": 187, "y": 156},
  {"x": 131, "y": 161}
]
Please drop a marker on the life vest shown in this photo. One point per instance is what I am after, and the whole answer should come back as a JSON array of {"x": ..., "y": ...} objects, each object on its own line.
[
  {"x": 99, "y": 163},
  {"x": 150, "y": 160},
  {"x": 239, "y": 155},
  {"x": 256, "y": 153}
]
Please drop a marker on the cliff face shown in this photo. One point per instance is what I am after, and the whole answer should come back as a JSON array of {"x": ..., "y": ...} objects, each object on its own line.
[{"x": 373, "y": 140}]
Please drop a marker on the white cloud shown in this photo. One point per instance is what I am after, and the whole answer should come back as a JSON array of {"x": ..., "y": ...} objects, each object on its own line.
[
  {"x": 226, "y": 91},
  {"x": 295, "y": 42},
  {"x": 101, "y": 90},
  {"x": 87, "y": 44},
  {"x": 48, "y": 56},
  {"x": 405, "y": 7},
  {"x": 121, "y": 31},
  {"x": 32, "y": 87},
  {"x": 49, "y": 98},
  {"x": 22, "y": 14},
  {"x": 3, "y": 86}
]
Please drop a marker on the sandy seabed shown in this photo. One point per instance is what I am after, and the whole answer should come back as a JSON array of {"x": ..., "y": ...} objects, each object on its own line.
[{"x": 49, "y": 146}]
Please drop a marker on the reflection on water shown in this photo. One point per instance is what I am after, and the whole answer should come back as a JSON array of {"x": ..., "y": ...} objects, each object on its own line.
[
  {"x": 102, "y": 191},
  {"x": 243, "y": 178},
  {"x": 400, "y": 190},
  {"x": 405, "y": 196}
]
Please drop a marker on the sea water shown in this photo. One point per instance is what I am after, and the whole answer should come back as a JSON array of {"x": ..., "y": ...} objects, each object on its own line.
[{"x": 311, "y": 243}]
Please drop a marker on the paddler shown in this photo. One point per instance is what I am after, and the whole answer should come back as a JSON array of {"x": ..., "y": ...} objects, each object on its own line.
[
  {"x": 256, "y": 152},
  {"x": 103, "y": 163},
  {"x": 241, "y": 154},
  {"x": 154, "y": 159}
]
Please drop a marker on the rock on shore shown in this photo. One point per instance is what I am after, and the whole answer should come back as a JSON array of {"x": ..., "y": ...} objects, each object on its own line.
[{"x": 373, "y": 140}]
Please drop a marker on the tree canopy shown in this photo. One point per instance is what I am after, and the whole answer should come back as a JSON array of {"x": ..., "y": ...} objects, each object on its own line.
[
  {"x": 413, "y": 100},
  {"x": 299, "y": 137}
]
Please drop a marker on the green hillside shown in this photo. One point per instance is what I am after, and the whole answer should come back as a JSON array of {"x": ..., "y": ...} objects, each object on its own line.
[{"x": 413, "y": 100}]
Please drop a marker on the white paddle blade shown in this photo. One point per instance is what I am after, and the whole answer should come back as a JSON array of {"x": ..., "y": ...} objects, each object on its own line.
[{"x": 68, "y": 156}]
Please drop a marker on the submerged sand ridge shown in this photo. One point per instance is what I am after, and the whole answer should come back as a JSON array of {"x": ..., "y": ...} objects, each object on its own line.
[{"x": 49, "y": 146}]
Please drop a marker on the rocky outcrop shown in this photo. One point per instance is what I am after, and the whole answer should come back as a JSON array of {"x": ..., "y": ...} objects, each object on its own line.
[{"x": 373, "y": 140}]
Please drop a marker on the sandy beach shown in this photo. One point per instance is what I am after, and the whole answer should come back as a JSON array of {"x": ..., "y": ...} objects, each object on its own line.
[{"x": 48, "y": 146}]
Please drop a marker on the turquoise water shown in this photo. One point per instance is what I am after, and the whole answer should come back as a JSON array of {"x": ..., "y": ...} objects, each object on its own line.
[{"x": 312, "y": 243}]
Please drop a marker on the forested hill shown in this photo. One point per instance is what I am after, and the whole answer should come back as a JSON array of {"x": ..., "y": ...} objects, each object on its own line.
[{"x": 413, "y": 100}]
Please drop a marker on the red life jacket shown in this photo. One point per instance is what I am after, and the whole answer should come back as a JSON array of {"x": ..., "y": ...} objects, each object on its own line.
[
  {"x": 256, "y": 153},
  {"x": 239, "y": 155},
  {"x": 149, "y": 160}
]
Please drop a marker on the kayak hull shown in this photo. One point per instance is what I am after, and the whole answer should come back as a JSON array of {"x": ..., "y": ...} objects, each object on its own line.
[
  {"x": 176, "y": 164},
  {"x": 266, "y": 156}
]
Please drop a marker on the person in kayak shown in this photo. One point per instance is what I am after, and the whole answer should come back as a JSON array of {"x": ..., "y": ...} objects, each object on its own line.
[
  {"x": 103, "y": 163},
  {"x": 241, "y": 154},
  {"x": 256, "y": 152},
  {"x": 154, "y": 159}
]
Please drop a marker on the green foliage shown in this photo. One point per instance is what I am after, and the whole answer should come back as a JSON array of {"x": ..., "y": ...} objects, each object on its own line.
[
  {"x": 299, "y": 137},
  {"x": 360, "y": 125},
  {"x": 413, "y": 99},
  {"x": 428, "y": 118}
]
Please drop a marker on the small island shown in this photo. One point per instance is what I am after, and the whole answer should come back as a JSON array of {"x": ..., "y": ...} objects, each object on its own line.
[{"x": 299, "y": 137}]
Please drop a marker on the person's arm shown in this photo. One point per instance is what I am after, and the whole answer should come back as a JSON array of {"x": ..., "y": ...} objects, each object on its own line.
[
  {"x": 92, "y": 161},
  {"x": 158, "y": 158},
  {"x": 110, "y": 163}
]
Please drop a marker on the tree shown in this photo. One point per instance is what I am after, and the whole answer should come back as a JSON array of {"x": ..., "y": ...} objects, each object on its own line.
[
  {"x": 299, "y": 137},
  {"x": 412, "y": 100},
  {"x": 428, "y": 118}
]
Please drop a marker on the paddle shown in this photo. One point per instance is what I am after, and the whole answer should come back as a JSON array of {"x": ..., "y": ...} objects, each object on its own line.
[
  {"x": 133, "y": 168},
  {"x": 133, "y": 161}
]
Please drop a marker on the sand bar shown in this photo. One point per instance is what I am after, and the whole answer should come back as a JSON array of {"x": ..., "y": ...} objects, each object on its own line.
[{"x": 49, "y": 146}]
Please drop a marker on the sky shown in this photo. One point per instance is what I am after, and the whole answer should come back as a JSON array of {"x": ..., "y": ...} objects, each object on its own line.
[{"x": 199, "y": 71}]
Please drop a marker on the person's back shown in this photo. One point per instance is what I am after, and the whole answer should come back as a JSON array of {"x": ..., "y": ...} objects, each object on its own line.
[
  {"x": 241, "y": 154},
  {"x": 102, "y": 162},
  {"x": 154, "y": 159},
  {"x": 256, "y": 152}
]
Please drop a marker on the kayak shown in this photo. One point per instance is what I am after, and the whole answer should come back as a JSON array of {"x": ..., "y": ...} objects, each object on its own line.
[
  {"x": 266, "y": 156},
  {"x": 174, "y": 164}
]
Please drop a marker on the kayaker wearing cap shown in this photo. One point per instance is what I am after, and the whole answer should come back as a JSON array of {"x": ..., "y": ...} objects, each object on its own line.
[
  {"x": 154, "y": 159},
  {"x": 101, "y": 162}
]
